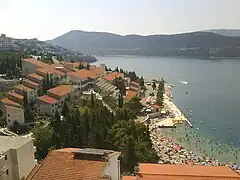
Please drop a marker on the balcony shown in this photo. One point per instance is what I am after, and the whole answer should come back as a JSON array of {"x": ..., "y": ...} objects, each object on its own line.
[{"x": 3, "y": 169}]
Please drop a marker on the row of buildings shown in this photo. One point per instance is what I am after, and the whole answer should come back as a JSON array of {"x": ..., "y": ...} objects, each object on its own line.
[
  {"x": 78, "y": 80},
  {"x": 5, "y": 42}
]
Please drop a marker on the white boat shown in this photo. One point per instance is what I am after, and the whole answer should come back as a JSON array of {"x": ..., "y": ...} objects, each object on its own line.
[{"x": 184, "y": 82}]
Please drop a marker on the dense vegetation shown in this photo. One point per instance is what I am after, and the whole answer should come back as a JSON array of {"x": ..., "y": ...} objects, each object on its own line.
[
  {"x": 159, "y": 100},
  {"x": 196, "y": 44},
  {"x": 11, "y": 63},
  {"x": 91, "y": 124}
]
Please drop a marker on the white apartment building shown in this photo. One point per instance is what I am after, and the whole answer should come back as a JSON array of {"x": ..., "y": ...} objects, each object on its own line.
[
  {"x": 5, "y": 42},
  {"x": 14, "y": 114},
  {"x": 16, "y": 157}
]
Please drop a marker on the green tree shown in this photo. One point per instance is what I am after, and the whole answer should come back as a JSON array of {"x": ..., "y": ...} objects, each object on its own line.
[
  {"x": 88, "y": 66},
  {"x": 154, "y": 85},
  {"x": 129, "y": 158},
  {"x": 65, "y": 109},
  {"x": 135, "y": 105},
  {"x": 120, "y": 100},
  {"x": 92, "y": 100},
  {"x": 141, "y": 83},
  {"x": 116, "y": 69},
  {"x": 81, "y": 66},
  {"x": 56, "y": 125},
  {"x": 85, "y": 128},
  {"x": 42, "y": 135}
]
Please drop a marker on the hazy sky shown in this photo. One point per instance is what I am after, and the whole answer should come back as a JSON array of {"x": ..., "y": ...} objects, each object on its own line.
[{"x": 46, "y": 19}]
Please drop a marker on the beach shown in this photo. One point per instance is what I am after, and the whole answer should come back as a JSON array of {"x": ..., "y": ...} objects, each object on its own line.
[{"x": 181, "y": 145}]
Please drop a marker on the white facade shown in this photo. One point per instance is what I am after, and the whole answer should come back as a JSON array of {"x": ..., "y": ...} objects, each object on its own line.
[
  {"x": 16, "y": 157},
  {"x": 14, "y": 114},
  {"x": 113, "y": 166},
  {"x": 5, "y": 42},
  {"x": 49, "y": 109}
]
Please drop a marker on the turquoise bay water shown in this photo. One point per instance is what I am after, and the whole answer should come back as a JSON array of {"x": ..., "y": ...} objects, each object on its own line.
[{"x": 212, "y": 103}]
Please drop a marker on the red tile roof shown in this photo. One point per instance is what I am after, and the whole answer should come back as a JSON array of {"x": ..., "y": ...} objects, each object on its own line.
[
  {"x": 112, "y": 76},
  {"x": 36, "y": 76},
  {"x": 50, "y": 70},
  {"x": 36, "y": 62},
  {"x": 23, "y": 88},
  {"x": 185, "y": 172},
  {"x": 9, "y": 102},
  {"x": 133, "y": 88},
  {"x": 61, "y": 90},
  {"x": 97, "y": 71},
  {"x": 82, "y": 74},
  {"x": 130, "y": 94},
  {"x": 13, "y": 94},
  {"x": 47, "y": 99},
  {"x": 129, "y": 178},
  {"x": 135, "y": 83},
  {"x": 155, "y": 106},
  {"x": 27, "y": 81},
  {"x": 61, "y": 165}
]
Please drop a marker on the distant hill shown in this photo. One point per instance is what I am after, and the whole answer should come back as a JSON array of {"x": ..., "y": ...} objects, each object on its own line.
[
  {"x": 195, "y": 44},
  {"x": 36, "y": 47},
  {"x": 225, "y": 32}
]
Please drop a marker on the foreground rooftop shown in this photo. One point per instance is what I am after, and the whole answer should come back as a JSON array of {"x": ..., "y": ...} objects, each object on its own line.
[
  {"x": 71, "y": 164},
  {"x": 185, "y": 172}
]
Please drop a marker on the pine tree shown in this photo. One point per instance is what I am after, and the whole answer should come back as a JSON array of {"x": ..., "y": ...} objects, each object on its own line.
[
  {"x": 65, "y": 109},
  {"x": 92, "y": 100},
  {"x": 88, "y": 66},
  {"x": 129, "y": 159},
  {"x": 154, "y": 85},
  {"x": 120, "y": 100},
  {"x": 116, "y": 69},
  {"x": 141, "y": 83},
  {"x": 56, "y": 125},
  {"x": 85, "y": 128}
]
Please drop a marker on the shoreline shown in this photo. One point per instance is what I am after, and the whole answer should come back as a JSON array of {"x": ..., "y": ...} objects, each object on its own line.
[{"x": 190, "y": 143}]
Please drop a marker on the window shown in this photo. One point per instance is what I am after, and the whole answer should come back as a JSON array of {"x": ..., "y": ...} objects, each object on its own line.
[
  {"x": 5, "y": 157},
  {"x": 8, "y": 115},
  {"x": 7, "y": 172}
]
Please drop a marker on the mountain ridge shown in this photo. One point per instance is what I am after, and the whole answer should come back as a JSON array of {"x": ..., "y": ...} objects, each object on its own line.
[{"x": 192, "y": 44}]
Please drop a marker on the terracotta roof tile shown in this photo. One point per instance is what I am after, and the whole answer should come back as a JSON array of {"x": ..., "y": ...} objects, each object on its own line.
[
  {"x": 36, "y": 76},
  {"x": 130, "y": 94},
  {"x": 47, "y": 99},
  {"x": 23, "y": 88},
  {"x": 97, "y": 71},
  {"x": 16, "y": 95},
  {"x": 135, "y": 83},
  {"x": 82, "y": 74},
  {"x": 129, "y": 178},
  {"x": 61, "y": 90},
  {"x": 9, "y": 102},
  {"x": 36, "y": 62},
  {"x": 27, "y": 81},
  {"x": 112, "y": 76},
  {"x": 182, "y": 172},
  {"x": 50, "y": 70},
  {"x": 133, "y": 88},
  {"x": 155, "y": 106},
  {"x": 61, "y": 165}
]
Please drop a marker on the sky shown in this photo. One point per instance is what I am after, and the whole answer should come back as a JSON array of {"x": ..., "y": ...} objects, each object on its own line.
[{"x": 47, "y": 19}]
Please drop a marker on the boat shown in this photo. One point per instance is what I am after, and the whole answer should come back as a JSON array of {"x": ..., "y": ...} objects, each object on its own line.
[{"x": 184, "y": 82}]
